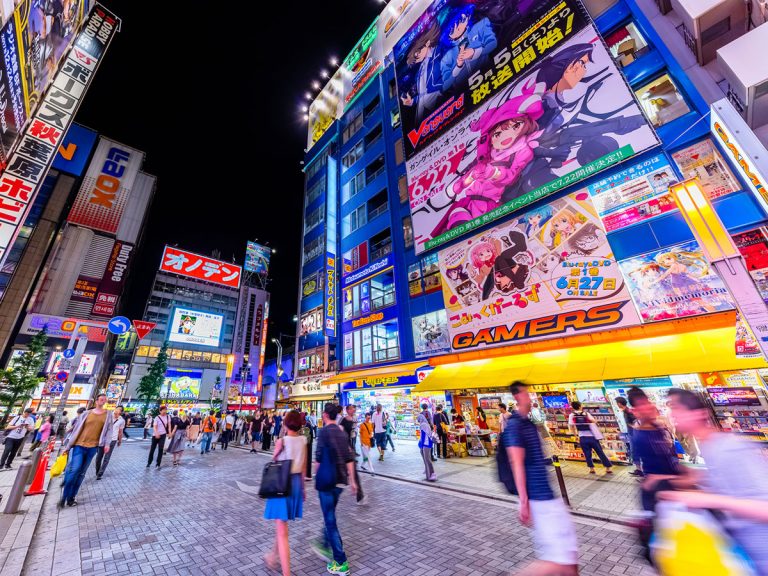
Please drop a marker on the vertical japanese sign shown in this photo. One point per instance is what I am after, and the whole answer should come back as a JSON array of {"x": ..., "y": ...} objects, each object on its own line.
[
  {"x": 28, "y": 166},
  {"x": 106, "y": 187},
  {"x": 501, "y": 109},
  {"x": 362, "y": 64},
  {"x": 13, "y": 107},
  {"x": 113, "y": 281},
  {"x": 330, "y": 295},
  {"x": 194, "y": 265}
]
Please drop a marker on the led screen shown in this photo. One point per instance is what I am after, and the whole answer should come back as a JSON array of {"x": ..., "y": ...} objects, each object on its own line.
[{"x": 195, "y": 327}]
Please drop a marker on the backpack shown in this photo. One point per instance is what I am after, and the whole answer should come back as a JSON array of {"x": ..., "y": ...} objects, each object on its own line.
[
  {"x": 504, "y": 467},
  {"x": 581, "y": 421}
]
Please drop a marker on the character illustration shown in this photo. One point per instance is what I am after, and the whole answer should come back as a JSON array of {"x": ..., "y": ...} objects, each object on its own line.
[
  {"x": 467, "y": 45},
  {"x": 587, "y": 240},
  {"x": 428, "y": 82},
  {"x": 457, "y": 274},
  {"x": 468, "y": 293},
  {"x": 533, "y": 221},
  {"x": 505, "y": 147},
  {"x": 563, "y": 226},
  {"x": 482, "y": 256},
  {"x": 677, "y": 267},
  {"x": 662, "y": 181},
  {"x": 510, "y": 271},
  {"x": 430, "y": 334},
  {"x": 186, "y": 325},
  {"x": 550, "y": 262}
]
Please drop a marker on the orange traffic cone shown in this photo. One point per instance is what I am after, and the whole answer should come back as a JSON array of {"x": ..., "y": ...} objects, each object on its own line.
[{"x": 39, "y": 481}]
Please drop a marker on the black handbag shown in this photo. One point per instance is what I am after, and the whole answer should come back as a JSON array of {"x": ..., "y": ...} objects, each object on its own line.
[{"x": 276, "y": 480}]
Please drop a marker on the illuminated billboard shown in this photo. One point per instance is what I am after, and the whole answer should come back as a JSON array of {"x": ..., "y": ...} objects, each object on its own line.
[
  {"x": 195, "y": 327},
  {"x": 182, "y": 384},
  {"x": 200, "y": 267},
  {"x": 362, "y": 64},
  {"x": 257, "y": 258},
  {"x": 87, "y": 364}
]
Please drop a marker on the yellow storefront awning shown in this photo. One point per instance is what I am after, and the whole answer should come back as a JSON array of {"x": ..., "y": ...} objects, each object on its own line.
[
  {"x": 710, "y": 350},
  {"x": 392, "y": 371},
  {"x": 311, "y": 397}
]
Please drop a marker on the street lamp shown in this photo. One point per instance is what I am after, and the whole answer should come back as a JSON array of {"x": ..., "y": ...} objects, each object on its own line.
[{"x": 245, "y": 369}]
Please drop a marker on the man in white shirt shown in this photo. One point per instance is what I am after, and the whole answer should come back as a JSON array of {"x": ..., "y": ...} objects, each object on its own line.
[
  {"x": 226, "y": 433},
  {"x": 504, "y": 415},
  {"x": 380, "y": 429},
  {"x": 148, "y": 425},
  {"x": 18, "y": 428},
  {"x": 118, "y": 425}
]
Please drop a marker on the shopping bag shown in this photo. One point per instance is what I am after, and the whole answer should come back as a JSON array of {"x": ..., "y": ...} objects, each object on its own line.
[{"x": 58, "y": 467}]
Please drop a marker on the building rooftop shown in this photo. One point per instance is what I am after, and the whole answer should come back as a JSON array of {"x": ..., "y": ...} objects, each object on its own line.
[{"x": 745, "y": 56}]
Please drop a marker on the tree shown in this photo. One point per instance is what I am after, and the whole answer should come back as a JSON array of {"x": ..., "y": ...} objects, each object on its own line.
[
  {"x": 152, "y": 382},
  {"x": 18, "y": 382}
]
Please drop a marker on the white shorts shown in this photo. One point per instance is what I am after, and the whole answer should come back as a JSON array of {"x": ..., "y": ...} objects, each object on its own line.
[{"x": 554, "y": 534}]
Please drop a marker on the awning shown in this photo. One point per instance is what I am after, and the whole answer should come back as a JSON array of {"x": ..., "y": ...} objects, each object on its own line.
[
  {"x": 311, "y": 397},
  {"x": 393, "y": 371},
  {"x": 711, "y": 350}
]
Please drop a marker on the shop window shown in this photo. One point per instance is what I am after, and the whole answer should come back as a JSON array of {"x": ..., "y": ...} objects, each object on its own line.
[
  {"x": 399, "y": 152},
  {"x": 186, "y": 355},
  {"x": 402, "y": 188},
  {"x": 153, "y": 351},
  {"x": 626, "y": 44},
  {"x": 372, "y": 137},
  {"x": 197, "y": 356},
  {"x": 408, "y": 232},
  {"x": 354, "y": 220},
  {"x": 374, "y": 169},
  {"x": 218, "y": 358},
  {"x": 311, "y": 322},
  {"x": 377, "y": 205},
  {"x": 381, "y": 244},
  {"x": 353, "y": 126},
  {"x": 415, "y": 287},
  {"x": 175, "y": 354},
  {"x": 355, "y": 258},
  {"x": 372, "y": 345},
  {"x": 142, "y": 351},
  {"x": 662, "y": 101},
  {"x": 392, "y": 88},
  {"x": 353, "y": 155},
  {"x": 370, "y": 295}
]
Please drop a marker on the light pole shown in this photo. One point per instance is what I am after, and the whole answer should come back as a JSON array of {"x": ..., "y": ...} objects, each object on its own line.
[
  {"x": 279, "y": 365},
  {"x": 245, "y": 369}
]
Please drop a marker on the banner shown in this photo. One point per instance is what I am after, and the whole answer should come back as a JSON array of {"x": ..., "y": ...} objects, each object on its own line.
[
  {"x": 362, "y": 65},
  {"x": 85, "y": 289},
  {"x": 257, "y": 258},
  {"x": 107, "y": 184},
  {"x": 549, "y": 273},
  {"x": 674, "y": 283},
  {"x": 330, "y": 295},
  {"x": 753, "y": 246},
  {"x": 193, "y": 265},
  {"x": 182, "y": 384},
  {"x": 111, "y": 285},
  {"x": 61, "y": 327},
  {"x": 430, "y": 334},
  {"x": 74, "y": 150},
  {"x": 325, "y": 109},
  {"x": 311, "y": 321},
  {"x": 189, "y": 326},
  {"x": 703, "y": 161},
  {"x": 638, "y": 193},
  {"x": 567, "y": 116},
  {"x": 396, "y": 18},
  {"x": 14, "y": 109}
]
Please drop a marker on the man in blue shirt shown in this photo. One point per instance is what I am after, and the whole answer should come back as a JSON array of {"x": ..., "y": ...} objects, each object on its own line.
[{"x": 554, "y": 535}]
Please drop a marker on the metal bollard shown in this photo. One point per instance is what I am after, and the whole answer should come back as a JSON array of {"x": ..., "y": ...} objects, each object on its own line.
[
  {"x": 17, "y": 490},
  {"x": 35, "y": 461},
  {"x": 561, "y": 480}
]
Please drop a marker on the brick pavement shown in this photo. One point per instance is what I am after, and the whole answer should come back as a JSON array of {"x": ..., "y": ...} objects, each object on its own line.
[{"x": 204, "y": 518}]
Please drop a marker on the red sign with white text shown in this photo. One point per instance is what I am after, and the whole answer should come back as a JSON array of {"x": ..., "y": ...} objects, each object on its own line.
[
  {"x": 201, "y": 267},
  {"x": 143, "y": 328}
]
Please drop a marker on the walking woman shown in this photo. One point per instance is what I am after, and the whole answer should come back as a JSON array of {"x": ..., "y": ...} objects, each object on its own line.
[
  {"x": 43, "y": 434},
  {"x": 179, "y": 426},
  {"x": 193, "y": 431},
  {"x": 425, "y": 442},
  {"x": 391, "y": 431},
  {"x": 293, "y": 447},
  {"x": 266, "y": 432},
  {"x": 254, "y": 429}
]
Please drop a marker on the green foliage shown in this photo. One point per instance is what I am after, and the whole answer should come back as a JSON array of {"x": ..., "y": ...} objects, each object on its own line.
[
  {"x": 19, "y": 381},
  {"x": 151, "y": 383}
]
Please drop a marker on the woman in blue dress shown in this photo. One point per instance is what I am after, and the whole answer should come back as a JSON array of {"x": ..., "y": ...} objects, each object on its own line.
[{"x": 293, "y": 447}]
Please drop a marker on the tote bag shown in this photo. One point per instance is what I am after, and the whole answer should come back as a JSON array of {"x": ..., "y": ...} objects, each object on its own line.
[{"x": 276, "y": 480}]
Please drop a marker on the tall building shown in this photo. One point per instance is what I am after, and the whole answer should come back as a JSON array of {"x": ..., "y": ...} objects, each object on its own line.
[{"x": 489, "y": 197}]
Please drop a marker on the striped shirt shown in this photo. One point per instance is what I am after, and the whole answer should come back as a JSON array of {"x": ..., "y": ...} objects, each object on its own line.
[{"x": 520, "y": 432}]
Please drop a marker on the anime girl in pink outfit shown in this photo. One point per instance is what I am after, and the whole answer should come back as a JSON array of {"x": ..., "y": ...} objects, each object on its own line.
[{"x": 508, "y": 135}]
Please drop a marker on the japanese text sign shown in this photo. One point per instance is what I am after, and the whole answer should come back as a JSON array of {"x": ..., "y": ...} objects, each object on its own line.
[{"x": 193, "y": 265}]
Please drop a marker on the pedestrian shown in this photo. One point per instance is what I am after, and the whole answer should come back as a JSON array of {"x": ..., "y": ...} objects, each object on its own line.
[
  {"x": 14, "y": 433},
  {"x": 312, "y": 418},
  {"x": 61, "y": 429},
  {"x": 367, "y": 442},
  {"x": 238, "y": 428},
  {"x": 72, "y": 422},
  {"x": 585, "y": 425},
  {"x": 193, "y": 430},
  {"x": 148, "y": 420},
  {"x": 630, "y": 423},
  {"x": 266, "y": 432},
  {"x": 254, "y": 432},
  {"x": 228, "y": 427},
  {"x": 278, "y": 424},
  {"x": 335, "y": 467},
  {"x": 217, "y": 430},
  {"x": 391, "y": 432},
  {"x": 310, "y": 441},
  {"x": 208, "y": 426},
  {"x": 161, "y": 428},
  {"x": 91, "y": 432},
  {"x": 441, "y": 424},
  {"x": 426, "y": 429},
  {"x": 481, "y": 418},
  {"x": 104, "y": 456},
  {"x": 379, "y": 419},
  {"x": 293, "y": 447},
  {"x": 503, "y": 417},
  {"x": 37, "y": 423},
  {"x": 179, "y": 426},
  {"x": 349, "y": 424},
  {"x": 554, "y": 534},
  {"x": 43, "y": 433},
  {"x": 735, "y": 481}
]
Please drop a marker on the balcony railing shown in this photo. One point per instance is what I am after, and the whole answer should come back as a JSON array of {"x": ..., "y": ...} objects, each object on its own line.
[
  {"x": 371, "y": 177},
  {"x": 378, "y": 211},
  {"x": 381, "y": 252}
]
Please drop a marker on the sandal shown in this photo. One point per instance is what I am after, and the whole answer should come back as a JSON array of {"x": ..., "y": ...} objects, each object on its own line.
[{"x": 271, "y": 562}]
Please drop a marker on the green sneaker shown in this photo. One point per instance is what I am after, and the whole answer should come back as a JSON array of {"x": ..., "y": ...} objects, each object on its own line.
[
  {"x": 336, "y": 568},
  {"x": 322, "y": 551}
]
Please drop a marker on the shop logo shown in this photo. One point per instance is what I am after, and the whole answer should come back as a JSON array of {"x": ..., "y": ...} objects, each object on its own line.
[
  {"x": 368, "y": 319},
  {"x": 437, "y": 120},
  {"x": 740, "y": 159}
]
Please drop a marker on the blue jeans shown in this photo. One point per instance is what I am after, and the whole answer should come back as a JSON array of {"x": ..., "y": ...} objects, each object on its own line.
[
  {"x": 589, "y": 443},
  {"x": 205, "y": 443},
  {"x": 77, "y": 465},
  {"x": 331, "y": 536}
]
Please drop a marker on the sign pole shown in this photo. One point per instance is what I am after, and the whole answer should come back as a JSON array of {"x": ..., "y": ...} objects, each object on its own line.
[{"x": 82, "y": 341}]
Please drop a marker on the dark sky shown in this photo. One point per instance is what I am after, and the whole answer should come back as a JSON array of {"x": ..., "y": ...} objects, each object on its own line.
[{"x": 212, "y": 92}]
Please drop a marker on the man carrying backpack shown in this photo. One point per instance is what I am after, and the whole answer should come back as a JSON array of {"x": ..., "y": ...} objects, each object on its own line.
[
  {"x": 582, "y": 423},
  {"x": 522, "y": 470},
  {"x": 208, "y": 427}
]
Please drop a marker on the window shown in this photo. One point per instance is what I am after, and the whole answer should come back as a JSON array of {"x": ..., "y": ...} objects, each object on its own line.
[
  {"x": 312, "y": 284},
  {"x": 314, "y": 218},
  {"x": 353, "y": 126},
  {"x": 315, "y": 191},
  {"x": 175, "y": 353},
  {"x": 372, "y": 345},
  {"x": 355, "y": 258},
  {"x": 355, "y": 185},
  {"x": 392, "y": 88},
  {"x": 312, "y": 363},
  {"x": 206, "y": 356},
  {"x": 424, "y": 276},
  {"x": 662, "y": 101},
  {"x": 313, "y": 248},
  {"x": 408, "y": 232},
  {"x": 399, "y": 152},
  {"x": 369, "y": 295},
  {"x": 353, "y": 155},
  {"x": 716, "y": 30},
  {"x": 372, "y": 137},
  {"x": 626, "y": 44},
  {"x": 374, "y": 169},
  {"x": 381, "y": 244},
  {"x": 377, "y": 205},
  {"x": 394, "y": 117},
  {"x": 354, "y": 220},
  {"x": 153, "y": 351},
  {"x": 218, "y": 358},
  {"x": 142, "y": 351},
  {"x": 186, "y": 355},
  {"x": 370, "y": 108},
  {"x": 402, "y": 188},
  {"x": 197, "y": 356},
  {"x": 317, "y": 165}
]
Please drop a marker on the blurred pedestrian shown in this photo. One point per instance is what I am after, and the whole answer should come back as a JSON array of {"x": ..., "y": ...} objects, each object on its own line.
[
  {"x": 266, "y": 432},
  {"x": 292, "y": 446},
  {"x": 193, "y": 431},
  {"x": 15, "y": 432},
  {"x": 104, "y": 456},
  {"x": 630, "y": 423},
  {"x": 208, "y": 427},
  {"x": 61, "y": 429},
  {"x": 238, "y": 429},
  {"x": 43, "y": 433},
  {"x": 227, "y": 430},
  {"x": 148, "y": 425},
  {"x": 161, "y": 427},
  {"x": 379, "y": 419},
  {"x": 278, "y": 424},
  {"x": 72, "y": 422},
  {"x": 253, "y": 428},
  {"x": 503, "y": 416},
  {"x": 441, "y": 423},
  {"x": 426, "y": 428},
  {"x": 312, "y": 419},
  {"x": 481, "y": 418},
  {"x": 554, "y": 534},
  {"x": 367, "y": 442},
  {"x": 391, "y": 432},
  {"x": 349, "y": 425},
  {"x": 584, "y": 425}
]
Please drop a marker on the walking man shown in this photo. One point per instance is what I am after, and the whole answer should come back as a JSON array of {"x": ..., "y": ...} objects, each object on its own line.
[
  {"x": 349, "y": 425},
  {"x": 335, "y": 466},
  {"x": 161, "y": 428},
  {"x": 61, "y": 430},
  {"x": 380, "y": 429},
  {"x": 148, "y": 425},
  {"x": 584, "y": 423},
  {"x": 503, "y": 417},
  {"x": 440, "y": 419},
  {"x": 103, "y": 457},
  {"x": 16, "y": 431},
  {"x": 554, "y": 535},
  {"x": 312, "y": 420},
  {"x": 228, "y": 426},
  {"x": 209, "y": 425},
  {"x": 630, "y": 423},
  {"x": 91, "y": 432}
]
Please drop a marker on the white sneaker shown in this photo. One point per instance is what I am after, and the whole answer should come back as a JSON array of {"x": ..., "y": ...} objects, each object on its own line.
[{"x": 432, "y": 478}]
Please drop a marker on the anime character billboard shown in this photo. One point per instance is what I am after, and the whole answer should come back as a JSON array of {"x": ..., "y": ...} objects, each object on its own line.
[
  {"x": 548, "y": 273},
  {"x": 674, "y": 283},
  {"x": 569, "y": 118}
]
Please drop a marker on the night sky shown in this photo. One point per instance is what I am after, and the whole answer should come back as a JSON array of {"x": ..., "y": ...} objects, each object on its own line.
[{"x": 212, "y": 92}]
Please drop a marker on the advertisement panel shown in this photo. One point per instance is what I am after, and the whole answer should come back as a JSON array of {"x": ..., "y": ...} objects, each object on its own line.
[
  {"x": 311, "y": 321},
  {"x": 753, "y": 246},
  {"x": 60, "y": 327},
  {"x": 430, "y": 334},
  {"x": 330, "y": 294},
  {"x": 396, "y": 19},
  {"x": 703, "y": 161},
  {"x": 190, "y": 326},
  {"x": 107, "y": 184},
  {"x": 566, "y": 117},
  {"x": 674, "y": 283},
  {"x": 85, "y": 289},
  {"x": 257, "y": 258},
  {"x": 325, "y": 109},
  {"x": 14, "y": 109},
  {"x": 733, "y": 396},
  {"x": 86, "y": 367},
  {"x": 194, "y": 265},
  {"x": 313, "y": 283},
  {"x": 28, "y": 166},
  {"x": 111, "y": 285},
  {"x": 182, "y": 384},
  {"x": 549, "y": 273},
  {"x": 362, "y": 64},
  {"x": 75, "y": 150},
  {"x": 638, "y": 193}
]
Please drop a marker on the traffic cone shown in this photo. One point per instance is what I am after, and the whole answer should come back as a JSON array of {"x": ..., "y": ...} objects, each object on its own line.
[{"x": 39, "y": 480}]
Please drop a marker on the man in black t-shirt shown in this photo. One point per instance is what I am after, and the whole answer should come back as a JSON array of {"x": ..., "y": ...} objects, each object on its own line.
[
  {"x": 631, "y": 422},
  {"x": 349, "y": 425}
]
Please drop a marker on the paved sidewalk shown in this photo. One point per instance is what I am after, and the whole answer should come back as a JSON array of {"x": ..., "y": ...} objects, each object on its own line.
[{"x": 204, "y": 518}]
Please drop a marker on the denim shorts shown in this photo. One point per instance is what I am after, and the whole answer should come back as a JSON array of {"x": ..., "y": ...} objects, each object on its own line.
[{"x": 381, "y": 440}]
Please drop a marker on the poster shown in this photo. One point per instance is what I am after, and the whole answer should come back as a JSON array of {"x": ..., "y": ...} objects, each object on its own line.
[
  {"x": 182, "y": 384},
  {"x": 362, "y": 64},
  {"x": 430, "y": 334},
  {"x": 703, "y": 161},
  {"x": 747, "y": 345},
  {"x": 311, "y": 321},
  {"x": 674, "y": 283},
  {"x": 548, "y": 273},
  {"x": 189, "y": 326},
  {"x": 257, "y": 258},
  {"x": 396, "y": 18},
  {"x": 638, "y": 193},
  {"x": 753, "y": 246},
  {"x": 569, "y": 116}
]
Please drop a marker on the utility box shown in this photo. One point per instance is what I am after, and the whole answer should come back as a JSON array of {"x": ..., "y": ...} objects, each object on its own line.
[
  {"x": 710, "y": 24},
  {"x": 744, "y": 63}
]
